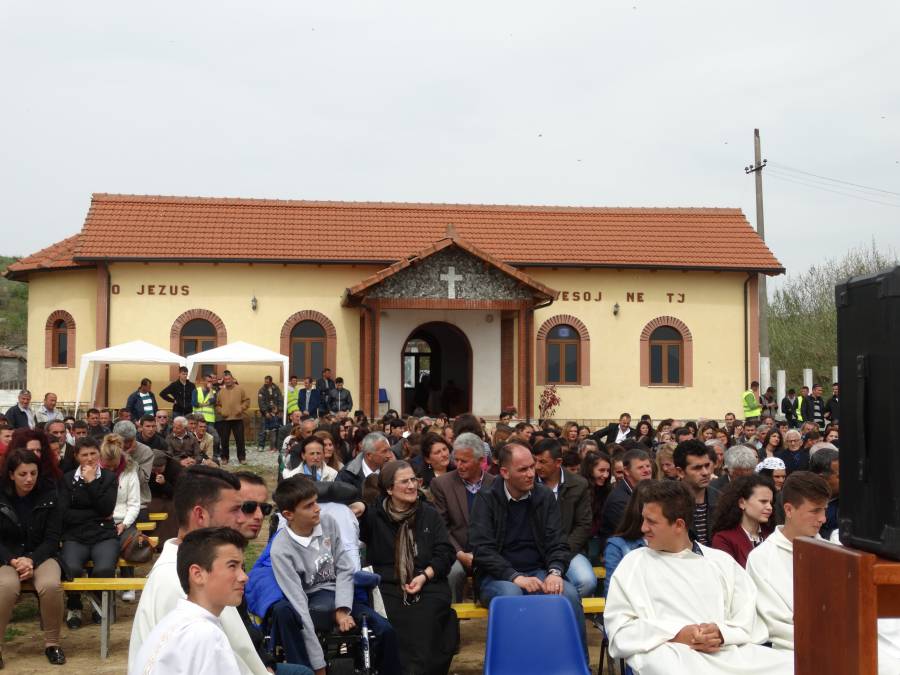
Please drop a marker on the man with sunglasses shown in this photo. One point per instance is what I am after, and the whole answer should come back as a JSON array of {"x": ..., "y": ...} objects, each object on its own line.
[{"x": 255, "y": 507}]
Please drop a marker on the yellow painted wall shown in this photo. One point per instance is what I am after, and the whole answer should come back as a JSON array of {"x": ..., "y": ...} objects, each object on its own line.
[
  {"x": 713, "y": 311},
  {"x": 280, "y": 290},
  {"x": 73, "y": 291}
]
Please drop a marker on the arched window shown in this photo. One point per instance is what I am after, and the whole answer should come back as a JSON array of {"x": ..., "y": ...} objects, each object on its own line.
[
  {"x": 666, "y": 353},
  {"x": 562, "y": 355},
  {"x": 196, "y": 330},
  {"x": 666, "y": 347},
  {"x": 309, "y": 340},
  {"x": 60, "y": 344},
  {"x": 59, "y": 337},
  {"x": 563, "y": 351},
  {"x": 307, "y": 355}
]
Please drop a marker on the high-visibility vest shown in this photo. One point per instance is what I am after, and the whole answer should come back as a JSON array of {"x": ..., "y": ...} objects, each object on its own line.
[
  {"x": 751, "y": 404},
  {"x": 205, "y": 405},
  {"x": 292, "y": 403},
  {"x": 799, "y": 408}
]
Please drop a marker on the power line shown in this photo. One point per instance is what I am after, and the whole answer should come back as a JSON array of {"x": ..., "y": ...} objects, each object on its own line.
[
  {"x": 835, "y": 180},
  {"x": 815, "y": 181},
  {"x": 837, "y": 192}
]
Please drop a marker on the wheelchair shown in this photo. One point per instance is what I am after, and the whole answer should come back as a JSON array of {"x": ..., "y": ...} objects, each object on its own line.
[{"x": 350, "y": 653}]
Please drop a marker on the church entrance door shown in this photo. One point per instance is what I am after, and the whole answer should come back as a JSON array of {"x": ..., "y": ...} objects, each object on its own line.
[{"x": 437, "y": 370}]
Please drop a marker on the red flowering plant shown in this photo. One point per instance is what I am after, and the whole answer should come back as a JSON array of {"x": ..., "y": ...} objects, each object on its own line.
[{"x": 549, "y": 401}]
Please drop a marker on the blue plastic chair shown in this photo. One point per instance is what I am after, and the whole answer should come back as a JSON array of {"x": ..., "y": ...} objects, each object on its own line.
[{"x": 533, "y": 634}]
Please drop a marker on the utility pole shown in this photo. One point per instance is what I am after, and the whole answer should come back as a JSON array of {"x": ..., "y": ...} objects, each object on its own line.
[{"x": 756, "y": 169}]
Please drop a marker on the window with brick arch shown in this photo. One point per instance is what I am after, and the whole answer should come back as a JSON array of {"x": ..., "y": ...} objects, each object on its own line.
[
  {"x": 666, "y": 356},
  {"x": 563, "y": 357},
  {"x": 308, "y": 349},
  {"x": 199, "y": 335},
  {"x": 60, "y": 348}
]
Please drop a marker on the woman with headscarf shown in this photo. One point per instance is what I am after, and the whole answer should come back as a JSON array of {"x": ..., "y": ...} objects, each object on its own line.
[{"x": 407, "y": 544}]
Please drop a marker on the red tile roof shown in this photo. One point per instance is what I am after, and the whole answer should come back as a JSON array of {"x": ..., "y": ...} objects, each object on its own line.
[
  {"x": 132, "y": 227},
  {"x": 58, "y": 256},
  {"x": 452, "y": 240}
]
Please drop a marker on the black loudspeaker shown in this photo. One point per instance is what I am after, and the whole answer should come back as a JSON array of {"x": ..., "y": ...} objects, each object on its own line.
[{"x": 868, "y": 331}]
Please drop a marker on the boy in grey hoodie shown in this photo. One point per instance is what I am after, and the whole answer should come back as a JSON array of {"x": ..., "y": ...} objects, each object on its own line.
[{"x": 316, "y": 576}]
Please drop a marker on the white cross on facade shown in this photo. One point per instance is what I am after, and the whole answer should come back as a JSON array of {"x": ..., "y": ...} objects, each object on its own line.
[{"x": 451, "y": 277}]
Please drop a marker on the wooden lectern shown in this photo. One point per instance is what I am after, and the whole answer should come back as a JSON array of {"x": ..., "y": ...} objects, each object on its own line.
[{"x": 839, "y": 593}]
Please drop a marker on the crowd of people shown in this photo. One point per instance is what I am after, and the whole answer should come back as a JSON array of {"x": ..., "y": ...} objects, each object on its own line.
[{"x": 693, "y": 521}]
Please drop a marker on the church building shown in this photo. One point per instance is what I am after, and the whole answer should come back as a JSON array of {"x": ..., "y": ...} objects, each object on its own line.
[{"x": 447, "y": 307}]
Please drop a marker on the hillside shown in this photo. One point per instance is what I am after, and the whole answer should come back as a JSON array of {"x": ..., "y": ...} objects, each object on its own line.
[{"x": 13, "y": 309}]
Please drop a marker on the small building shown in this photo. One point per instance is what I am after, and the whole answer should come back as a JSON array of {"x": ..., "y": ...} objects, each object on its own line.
[
  {"x": 12, "y": 369},
  {"x": 445, "y": 307}
]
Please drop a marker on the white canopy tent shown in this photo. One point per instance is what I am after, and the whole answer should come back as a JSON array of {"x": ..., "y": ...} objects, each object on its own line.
[
  {"x": 137, "y": 351},
  {"x": 242, "y": 352}
]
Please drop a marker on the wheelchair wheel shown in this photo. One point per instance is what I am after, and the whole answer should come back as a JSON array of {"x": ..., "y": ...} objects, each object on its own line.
[{"x": 342, "y": 666}]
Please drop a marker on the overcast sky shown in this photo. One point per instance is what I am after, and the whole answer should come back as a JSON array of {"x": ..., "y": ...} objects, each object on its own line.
[{"x": 598, "y": 103}]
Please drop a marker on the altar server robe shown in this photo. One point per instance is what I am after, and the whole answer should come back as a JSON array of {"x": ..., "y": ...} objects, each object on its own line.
[
  {"x": 188, "y": 641},
  {"x": 653, "y": 595}
]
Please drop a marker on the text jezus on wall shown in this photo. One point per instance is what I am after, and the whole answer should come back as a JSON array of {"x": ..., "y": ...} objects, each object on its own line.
[{"x": 155, "y": 289}]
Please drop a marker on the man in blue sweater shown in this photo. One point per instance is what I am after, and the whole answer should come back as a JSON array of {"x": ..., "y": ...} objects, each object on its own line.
[{"x": 515, "y": 532}]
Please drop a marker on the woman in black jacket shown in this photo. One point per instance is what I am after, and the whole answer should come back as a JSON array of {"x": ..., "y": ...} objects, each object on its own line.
[
  {"x": 407, "y": 544},
  {"x": 87, "y": 498},
  {"x": 30, "y": 527}
]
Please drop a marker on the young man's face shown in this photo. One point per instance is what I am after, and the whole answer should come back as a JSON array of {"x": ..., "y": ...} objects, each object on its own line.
[
  {"x": 50, "y": 401},
  {"x": 148, "y": 429},
  {"x": 697, "y": 472},
  {"x": 93, "y": 419},
  {"x": 729, "y": 419},
  {"x": 224, "y": 583},
  {"x": 660, "y": 534},
  {"x": 805, "y": 520},
  {"x": 254, "y": 521},
  {"x": 624, "y": 421},
  {"x": 77, "y": 432},
  {"x": 817, "y": 391},
  {"x": 226, "y": 512},
  {"x": 397, "y": 432},
  {"x": 305, "y": 516}
]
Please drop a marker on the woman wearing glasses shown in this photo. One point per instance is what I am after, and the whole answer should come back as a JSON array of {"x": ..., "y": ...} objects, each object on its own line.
[{"x": 407, "y": 544}]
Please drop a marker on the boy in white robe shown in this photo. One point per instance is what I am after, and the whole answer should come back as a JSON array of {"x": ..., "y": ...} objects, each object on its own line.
[
  {"x": 204, "y": 497},
  {"x": 190, "y": 639},
  {"x": 680, "y": 607},
  {"x": 771, "y": 564}
]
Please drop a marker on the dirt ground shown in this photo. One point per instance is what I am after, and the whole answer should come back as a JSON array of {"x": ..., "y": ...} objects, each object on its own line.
[{"x": 24, "y": 654}]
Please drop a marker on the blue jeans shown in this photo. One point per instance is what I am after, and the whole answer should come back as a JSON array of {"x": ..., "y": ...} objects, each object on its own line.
[
  {"x": 291, "y": 669},
  {"x": 581, "y": 575},
  {"x": 491, "y": 588}
]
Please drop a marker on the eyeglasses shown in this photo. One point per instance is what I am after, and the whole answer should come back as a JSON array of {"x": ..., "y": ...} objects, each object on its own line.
[
  {"x": 249, "y": 507},
  {"x": 407, "y": 481},
  {"x": 162, "y": 417}
]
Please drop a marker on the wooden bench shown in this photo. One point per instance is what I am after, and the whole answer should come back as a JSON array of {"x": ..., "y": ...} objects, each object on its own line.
[
  {"x": 156, "y": 517},
  {"x": 145, "y": 527},
  {"x": 469, "y": 610},
  {"x": 107, "y": 606},
  {"x": 154, "y": 542}
]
